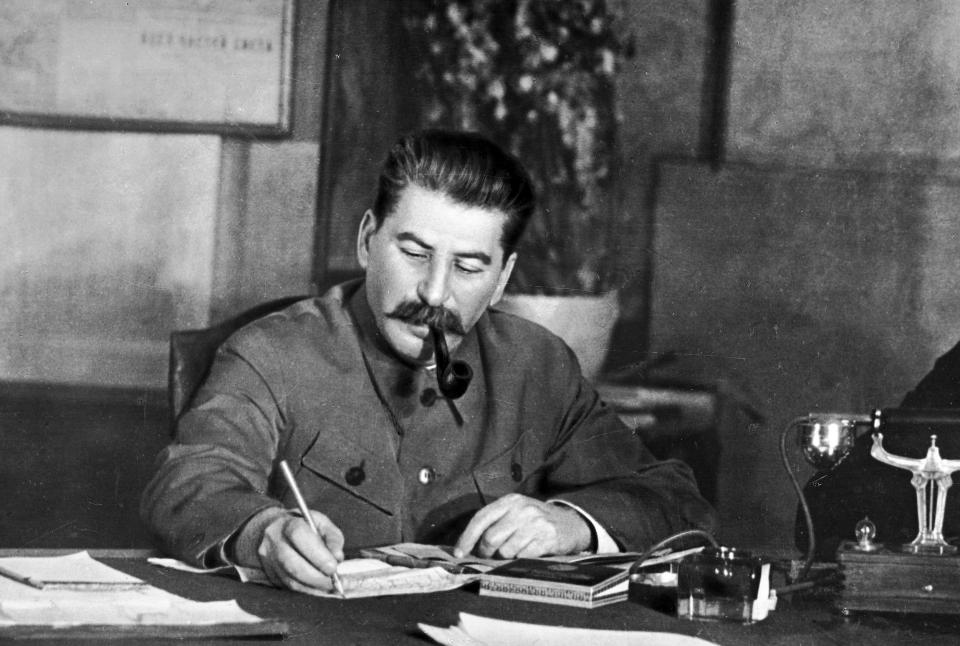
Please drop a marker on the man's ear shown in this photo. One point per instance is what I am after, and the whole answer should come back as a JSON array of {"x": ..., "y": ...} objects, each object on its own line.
[
  {"x": 368, "y": 226},
  {"x": 503, "y": 278}
]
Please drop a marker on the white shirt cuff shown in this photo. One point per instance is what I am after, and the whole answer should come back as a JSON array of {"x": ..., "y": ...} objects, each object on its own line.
[{"x": 605, "y": 544}]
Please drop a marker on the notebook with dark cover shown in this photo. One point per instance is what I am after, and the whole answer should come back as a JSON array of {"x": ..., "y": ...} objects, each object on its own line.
[{"x": 573, "y": 584}]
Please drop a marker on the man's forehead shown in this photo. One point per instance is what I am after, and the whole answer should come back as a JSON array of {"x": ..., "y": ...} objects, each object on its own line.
[
  {"x": 424, "y": 214},
  {"x": 416, "y": 194}
]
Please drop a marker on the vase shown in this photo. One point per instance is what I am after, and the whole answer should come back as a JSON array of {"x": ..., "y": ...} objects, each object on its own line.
[{"x": 585, "y": 323}]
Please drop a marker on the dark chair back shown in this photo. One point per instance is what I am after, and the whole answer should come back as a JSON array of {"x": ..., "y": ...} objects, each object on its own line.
[{"x": 192, "y": 352}]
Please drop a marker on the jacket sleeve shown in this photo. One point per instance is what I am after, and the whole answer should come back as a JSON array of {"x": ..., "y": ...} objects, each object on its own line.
[
  {"x": 600, "y": 465},
  {"x": 216, "y": 473}
]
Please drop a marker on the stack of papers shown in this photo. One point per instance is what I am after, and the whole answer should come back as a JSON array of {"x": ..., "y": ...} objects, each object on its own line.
[{"x": 76, "y": 590}]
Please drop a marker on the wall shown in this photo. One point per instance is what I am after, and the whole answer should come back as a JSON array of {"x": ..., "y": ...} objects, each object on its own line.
[
  {"x": 111, "y": 240},
  {"x": 267, "y": 221},
  {"x": 109, "y": 244},
  {"x": 799, "y": 290},
  {"x": 864, "y": 84},
  {"x": 662, "y": 94},
  {"x": 115, "y": 237},
  {"x": 816, "y": 268}
]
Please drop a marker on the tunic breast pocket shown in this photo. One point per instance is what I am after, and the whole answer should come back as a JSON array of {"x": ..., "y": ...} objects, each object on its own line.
[
  {"x": 342, "y": 467},
  {"x": 519, "y": 469}
]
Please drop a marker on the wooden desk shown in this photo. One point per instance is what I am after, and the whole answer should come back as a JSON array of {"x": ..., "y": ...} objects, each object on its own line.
[{"x": 393, "y": 620}]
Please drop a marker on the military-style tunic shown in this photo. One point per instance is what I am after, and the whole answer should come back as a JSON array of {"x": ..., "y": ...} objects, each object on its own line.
[{"x": 380, "y": 451}]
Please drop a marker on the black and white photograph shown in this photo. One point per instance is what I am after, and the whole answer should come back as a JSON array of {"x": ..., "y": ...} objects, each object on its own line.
[{"x": 315, "y": 312}]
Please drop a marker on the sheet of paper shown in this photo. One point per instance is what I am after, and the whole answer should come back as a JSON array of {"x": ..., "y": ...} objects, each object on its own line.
[
  {"x": 374, "y": 578},
  {"x": 452, "y": 636},
  {"x": 670, "y": 557},
  {"x": 474, "y": 630},
  {"x": 629, "y": 558},
  {"x": 22, "y": 604},
  {"x": 245, "y": 574},
  {"x": 421, "y": 551},
  {"x": 361, "y": 577},
  {"x": 437, "y": 553},
  {"x": 444, "y": 553},
  {"x": 76, "y": 570}
]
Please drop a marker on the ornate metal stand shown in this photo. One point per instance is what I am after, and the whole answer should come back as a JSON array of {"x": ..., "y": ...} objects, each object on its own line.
[
  {"x": 931, "y": 479},
  {"x": 922, "y": 576}
]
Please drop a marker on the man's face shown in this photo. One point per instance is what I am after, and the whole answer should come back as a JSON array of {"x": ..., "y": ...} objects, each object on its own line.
[{"x": 431, "y": 259}]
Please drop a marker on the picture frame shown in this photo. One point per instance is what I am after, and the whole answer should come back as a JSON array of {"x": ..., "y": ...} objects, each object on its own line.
[{"x": 214, "y": 66}]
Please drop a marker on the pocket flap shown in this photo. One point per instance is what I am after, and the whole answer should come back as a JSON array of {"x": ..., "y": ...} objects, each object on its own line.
[
  {"x": 373, "y": 477},
  {"x": 503, "y": 474}
]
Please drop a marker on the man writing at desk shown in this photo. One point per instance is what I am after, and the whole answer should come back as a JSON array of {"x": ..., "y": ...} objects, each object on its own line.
[{"x": 527, "y": 462}]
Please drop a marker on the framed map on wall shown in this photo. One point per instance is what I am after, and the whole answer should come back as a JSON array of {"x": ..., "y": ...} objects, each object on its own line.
[{"x": 180, "y": 65}]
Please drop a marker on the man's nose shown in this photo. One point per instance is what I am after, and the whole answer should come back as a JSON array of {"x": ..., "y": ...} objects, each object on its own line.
[{"x": 434, "y": 288}]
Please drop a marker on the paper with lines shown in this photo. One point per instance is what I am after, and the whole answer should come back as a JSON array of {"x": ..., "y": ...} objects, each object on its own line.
[
  {"x": 361, "y": 577},
  {"x": 373, "y": 578}
]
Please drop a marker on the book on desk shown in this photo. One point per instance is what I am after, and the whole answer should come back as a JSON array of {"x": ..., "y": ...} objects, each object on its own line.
[{"x": 583, "y": 585}]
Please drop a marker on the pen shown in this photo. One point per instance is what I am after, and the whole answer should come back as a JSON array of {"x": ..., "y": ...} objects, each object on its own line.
[
  {"x": 21, "y": 578},
  {"x": 302, "y": 504}
]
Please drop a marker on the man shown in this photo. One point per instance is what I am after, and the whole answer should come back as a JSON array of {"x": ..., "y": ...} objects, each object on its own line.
[{"x": 527, "y": 462}]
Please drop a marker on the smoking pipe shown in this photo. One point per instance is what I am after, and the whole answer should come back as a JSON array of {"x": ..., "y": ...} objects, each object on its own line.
[{"x": 453, "y": 377}]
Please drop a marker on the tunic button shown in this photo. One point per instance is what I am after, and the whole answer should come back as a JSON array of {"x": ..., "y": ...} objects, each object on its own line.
[
  {"x": 516, "y": 472},
  {"x": 426, "y": 475},
  {"x": 428, "y": 397},
  {"x": 355, "y": 475}
]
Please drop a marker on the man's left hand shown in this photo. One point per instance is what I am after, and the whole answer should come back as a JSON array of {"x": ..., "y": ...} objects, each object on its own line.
[{"x": 518, "y": 526}]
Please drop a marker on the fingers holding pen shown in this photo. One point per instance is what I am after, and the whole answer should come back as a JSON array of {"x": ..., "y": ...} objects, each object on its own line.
[
  {"x": 293, "y": 556},
  {"x": 332, "y": 537},
  {"x": 316, "y": 548}
]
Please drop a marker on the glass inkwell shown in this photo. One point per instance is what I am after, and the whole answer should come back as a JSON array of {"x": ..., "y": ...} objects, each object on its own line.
[
  {"x": 712, "y": 583},
  {"x": 723, "y": 583}
]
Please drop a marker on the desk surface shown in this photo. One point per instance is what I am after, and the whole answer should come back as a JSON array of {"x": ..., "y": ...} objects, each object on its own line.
[{"x": 393, "y": 620}]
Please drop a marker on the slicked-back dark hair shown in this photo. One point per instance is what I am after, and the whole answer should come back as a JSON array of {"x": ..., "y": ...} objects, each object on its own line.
[{"x": 465, "y": 167}]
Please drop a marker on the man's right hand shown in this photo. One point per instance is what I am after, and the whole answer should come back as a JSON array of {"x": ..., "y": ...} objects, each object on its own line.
[{"x": 288, "y": 552}]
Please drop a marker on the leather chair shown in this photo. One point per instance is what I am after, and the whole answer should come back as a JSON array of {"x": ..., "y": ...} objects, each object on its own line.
[{"x": 192, "y": 352}]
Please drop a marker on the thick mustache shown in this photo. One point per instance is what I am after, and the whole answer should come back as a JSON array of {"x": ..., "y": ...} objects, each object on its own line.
[{"x": 423, "y": 314}]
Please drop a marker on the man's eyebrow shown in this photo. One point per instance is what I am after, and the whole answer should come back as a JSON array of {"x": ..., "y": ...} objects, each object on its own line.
[{"x": 477, "y": 255}]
